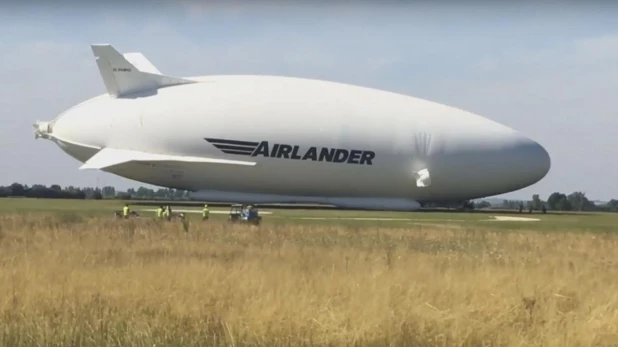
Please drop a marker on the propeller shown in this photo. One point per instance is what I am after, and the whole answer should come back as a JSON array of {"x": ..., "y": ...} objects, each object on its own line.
[
  {"x": 41, "y": 129},
  {"x": 36, "y": 130}
]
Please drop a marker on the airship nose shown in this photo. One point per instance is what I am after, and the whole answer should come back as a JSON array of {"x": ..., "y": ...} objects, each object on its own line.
[
  {"x": 74, "y": 133},
  {"x": 493, "y": 163},
  {"x": 517, "y": 162},
  {"x": 531, "y": 159}
]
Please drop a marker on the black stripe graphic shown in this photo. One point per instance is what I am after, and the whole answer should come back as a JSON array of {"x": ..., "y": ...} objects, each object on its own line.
[
  {"x": 231, "y": 142},
  {"x": 233, "y": 146}
]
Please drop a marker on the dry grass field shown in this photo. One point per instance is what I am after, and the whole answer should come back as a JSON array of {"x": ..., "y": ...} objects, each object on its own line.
[{"x": 68, "y": 280}]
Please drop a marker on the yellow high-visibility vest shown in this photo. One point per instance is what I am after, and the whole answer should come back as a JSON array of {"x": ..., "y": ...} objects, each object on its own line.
[{"x": 125, "y": 210}]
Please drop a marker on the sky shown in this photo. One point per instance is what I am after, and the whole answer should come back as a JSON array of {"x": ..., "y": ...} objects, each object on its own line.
[{"x": 548, "y": 69}]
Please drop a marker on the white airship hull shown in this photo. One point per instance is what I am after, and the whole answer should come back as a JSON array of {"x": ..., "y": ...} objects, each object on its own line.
[{"x": 267, "y": 139}]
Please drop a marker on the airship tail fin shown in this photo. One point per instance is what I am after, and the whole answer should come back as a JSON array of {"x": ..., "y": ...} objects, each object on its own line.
[
  {"x": 141, "y": 63},
  {"x": 108, "y": 157},
  {"x": 130, "y": 73}
]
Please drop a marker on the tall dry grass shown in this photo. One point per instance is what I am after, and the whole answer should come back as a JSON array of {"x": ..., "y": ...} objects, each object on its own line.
[{"x": 70, "y": 281}]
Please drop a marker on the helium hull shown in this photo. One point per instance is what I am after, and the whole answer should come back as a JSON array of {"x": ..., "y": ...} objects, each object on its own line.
[{"x": 281, "y": 140}]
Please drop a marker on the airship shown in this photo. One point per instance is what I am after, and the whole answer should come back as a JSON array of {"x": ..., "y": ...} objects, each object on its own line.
[{"x": 263, "y": 139}]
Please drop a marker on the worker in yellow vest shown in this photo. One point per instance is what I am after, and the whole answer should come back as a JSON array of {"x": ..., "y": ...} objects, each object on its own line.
[
  {"x": 125, "y": 211},
  {"x": 205, "y": 212},
  {"x": 160, "y": 212}
]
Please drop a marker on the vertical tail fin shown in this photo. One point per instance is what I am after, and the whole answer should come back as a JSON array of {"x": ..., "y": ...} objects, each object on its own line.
[
  {"x": 141, "y": 63},
  {"x": 130, "y": 73}
]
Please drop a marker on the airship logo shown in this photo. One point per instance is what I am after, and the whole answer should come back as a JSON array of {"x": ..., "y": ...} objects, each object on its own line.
[{"x": 286, "y": 151}]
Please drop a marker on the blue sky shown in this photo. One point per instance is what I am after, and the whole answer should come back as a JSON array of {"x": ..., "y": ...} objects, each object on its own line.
[{"x": 549, "y": 71}]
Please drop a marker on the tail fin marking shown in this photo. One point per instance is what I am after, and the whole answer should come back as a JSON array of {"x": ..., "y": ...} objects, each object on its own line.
[{"x": 130, "y": 73}]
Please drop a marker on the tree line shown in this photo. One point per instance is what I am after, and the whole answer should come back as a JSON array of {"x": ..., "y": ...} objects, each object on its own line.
[
  {"x": 557, "y": 201},
  {"x": 108, "y": 192}
]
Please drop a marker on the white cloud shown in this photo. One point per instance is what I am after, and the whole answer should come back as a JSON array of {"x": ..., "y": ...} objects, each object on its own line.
[
  {"x": 575, "y": 52},
  {"x": 488, "y": 63},
  {"x": 229, "y": 8},
  {"x": 596, "y": 49}
]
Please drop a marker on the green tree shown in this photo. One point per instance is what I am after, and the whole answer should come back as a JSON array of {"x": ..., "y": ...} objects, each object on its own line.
[
  {"x": 579, "y": 202},
  {"x": 17, "y": 189},
  {"x": 108, "y": 192},
  {"x": 554, "y": 199},
  {"x": 483, "y": 204},
  {"x": 564, "y": 205},
  {"x": 537, "y": 203},
  {"x": 612, "y": 205}
]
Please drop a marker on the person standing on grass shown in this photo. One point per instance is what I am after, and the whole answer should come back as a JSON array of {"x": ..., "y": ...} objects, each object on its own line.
[
  {"x": 168, "y": 212},
  {"x": 125, "y": 211},
  {"x": 205, "y": 212}
]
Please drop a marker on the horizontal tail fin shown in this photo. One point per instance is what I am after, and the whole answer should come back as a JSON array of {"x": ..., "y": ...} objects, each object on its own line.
[
  {"x": 108, "y": 157},
  {"x": 130, "y": 73}
]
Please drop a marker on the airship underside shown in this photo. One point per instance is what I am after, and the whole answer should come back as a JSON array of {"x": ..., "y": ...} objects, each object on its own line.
[{"x": 271, "y": 139}]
